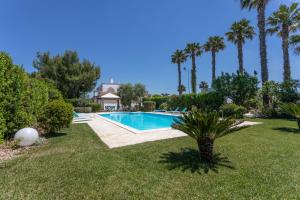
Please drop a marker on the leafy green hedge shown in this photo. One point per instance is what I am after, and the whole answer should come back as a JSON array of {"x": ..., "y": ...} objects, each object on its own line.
[
  {"x": 232, "y": 109},
  {"x": 203, "y": 101},
  {"x": 21, "y": 97},
  {"x": 157, "y": 99},
  {"x": 149, "y": 106},
  {"x": 55, "y": 115}
]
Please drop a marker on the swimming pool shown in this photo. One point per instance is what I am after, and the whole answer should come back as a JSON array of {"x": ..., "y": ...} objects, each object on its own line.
[{"x": 141, "y": 121}]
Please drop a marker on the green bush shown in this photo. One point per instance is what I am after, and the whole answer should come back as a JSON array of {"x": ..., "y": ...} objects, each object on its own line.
[
  {"x": 149, "y": 106},
  {"x": 157, "y": 99},
  {"x": 80, "y": 102},
  {"x": 204, "y": 101},
  {"x": 232, "y": 109},
  {"x": 164, "y": 106},
  {"x": 95, "y": 107},
  {"x": 55, "y": 115},
  {"x": 270, "y": 112}
]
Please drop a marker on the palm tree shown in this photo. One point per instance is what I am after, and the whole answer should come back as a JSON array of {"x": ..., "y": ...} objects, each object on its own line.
[
  {"x": 193, "y": 50},
  {"x": 240, "y": 31},
  {"x": 293, "y": 110},
  {"x": 295, "y": 42},
  {"x": 214, "y": 45},
  {"x": 260, "y": 6},
  {"x": 283, "y": 22},
  {"x": 205, "y": 128},
  {"x": 179, "y": 57},
  {"x": 203, "y": 86}
]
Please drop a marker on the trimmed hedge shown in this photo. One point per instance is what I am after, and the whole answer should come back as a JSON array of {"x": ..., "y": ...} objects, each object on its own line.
[
  {"x": 157, "y": 99},
  {"x": 55, "y": 115},
  {"x": 149, "y": 106},
  {"x": 203, "y": 101}
]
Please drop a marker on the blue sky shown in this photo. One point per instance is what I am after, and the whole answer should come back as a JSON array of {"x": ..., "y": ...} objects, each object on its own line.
[{"x": 133, "y": 40}]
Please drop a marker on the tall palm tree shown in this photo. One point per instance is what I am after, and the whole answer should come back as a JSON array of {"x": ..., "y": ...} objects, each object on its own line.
[
  {"x": 179, "y": 57},
  {"x": 283, "y": 22},
  {"x": 239, "y": 32},
  {"x": 260, "y": 6},
  {"x": 193, "y": 50},
  {"x": 295, "y": 42},
  {"x": 214, "y": 45}
]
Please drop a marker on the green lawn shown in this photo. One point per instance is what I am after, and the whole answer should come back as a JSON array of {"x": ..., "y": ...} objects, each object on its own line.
[{"x": 260, "y": 162}]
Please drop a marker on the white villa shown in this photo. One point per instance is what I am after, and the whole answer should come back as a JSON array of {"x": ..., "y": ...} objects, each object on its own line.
[{"x": 106, "y": 96}]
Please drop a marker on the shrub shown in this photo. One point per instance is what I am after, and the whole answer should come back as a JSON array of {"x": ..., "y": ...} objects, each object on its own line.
[
  {"x": 270, "y": 112},
  {"x": 238, "y": 87},
  {"x": 203, "y": 101},
  {"x": 149, "y": 106},
  {"x": 95, "y": 107},
  {"x": 164, "y": 106},
  {"x": 80, "y": 102},
  {"x": 232, "y": 109},
  {"x": 158, "y": 100},
  {"x": 55, "y": 115}
]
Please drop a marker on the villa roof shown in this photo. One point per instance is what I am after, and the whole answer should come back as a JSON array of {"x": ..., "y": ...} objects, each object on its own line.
[{"x": 110, "y": 96}]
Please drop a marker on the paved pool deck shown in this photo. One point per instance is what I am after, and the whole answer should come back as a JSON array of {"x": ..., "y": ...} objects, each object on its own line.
[{"x": 116, "y": 136}]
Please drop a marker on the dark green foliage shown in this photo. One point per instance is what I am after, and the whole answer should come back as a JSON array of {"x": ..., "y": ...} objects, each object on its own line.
[
  {"x": 80, "y": 102},
  {"x": 164, "y": 106},
  {"x": 288, "y": 91},
  {"x": 12, "y": 93},
  {"x": 238, "y": 87},
  {"x": 126, "y": 94},
  {"x": 158, "y": 100},
  {"x": 293, "y": 110},
  {"x": 95, "y": 107},
  {"x": 148, "y": 106},
  {"x": 234, "y": 110},
  {"x": 203, "y": 101},
  {"x": 139, "y": 91},
  {"x": 71, "y": 76},
  {"x": 204, "y": 128},
  {"x": 55, "y": 115}
]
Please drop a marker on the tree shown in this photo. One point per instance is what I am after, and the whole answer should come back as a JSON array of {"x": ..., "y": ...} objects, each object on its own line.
[
  {"x": 179, "y": 57},
  {"x": 71, "y": 76},
  {"x": 126, "y": 94},
  {"x": 295, "y": 42},
  {"x": 240, "y": 31},
  {"x": 238, "y": 87},
  {"x": 214, "y": 45},
  {"x": 205, "y": 128},
  {"x": 283, "y": 22},
  {"x": 293, "y": 110},
  {"x": 203, "y": 86},
  {"x": 288, "y": 91},
  {"x": 193, "y": 50},
  {"x": 139, "y": 91},
  {"x": 260, "y": 6}
]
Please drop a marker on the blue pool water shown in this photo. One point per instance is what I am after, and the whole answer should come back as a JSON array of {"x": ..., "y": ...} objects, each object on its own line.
[{"x": 142, "y": 121}]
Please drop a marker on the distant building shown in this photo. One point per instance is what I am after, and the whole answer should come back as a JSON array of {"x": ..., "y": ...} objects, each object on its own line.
[{"x": 106, "y": 96}]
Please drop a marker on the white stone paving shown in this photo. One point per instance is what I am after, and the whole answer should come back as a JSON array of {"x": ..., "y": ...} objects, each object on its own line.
[{"x": 115, "y": 136}]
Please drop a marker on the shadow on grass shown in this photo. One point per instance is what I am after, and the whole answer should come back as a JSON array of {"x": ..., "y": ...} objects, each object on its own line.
[
  {"x": 59, "y": 134},
  {"x": 188, "y": 160},
  {"x": 288, "y": 130}
]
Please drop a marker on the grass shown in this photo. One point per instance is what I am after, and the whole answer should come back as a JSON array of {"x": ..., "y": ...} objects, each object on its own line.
[{"x": 260, "y": 162}]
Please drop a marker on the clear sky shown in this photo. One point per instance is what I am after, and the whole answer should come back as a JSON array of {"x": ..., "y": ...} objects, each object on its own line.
[{"x": 132, "y": 40}]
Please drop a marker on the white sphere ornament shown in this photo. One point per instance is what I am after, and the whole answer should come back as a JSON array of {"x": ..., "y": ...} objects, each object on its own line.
[{"x": 27, "y": 136}]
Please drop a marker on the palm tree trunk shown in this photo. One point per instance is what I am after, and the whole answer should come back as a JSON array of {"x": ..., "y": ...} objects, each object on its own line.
[
  {"x": 179, "y": 79},
  {"x": 263, "y": 47},
  {"x": 286, "y": 58},
  {"x": 213, "y": 63},
  {"x": 240, "y": 56},
  {"x": 206, "y": 147},
  {"x": 193, "y": 74}
]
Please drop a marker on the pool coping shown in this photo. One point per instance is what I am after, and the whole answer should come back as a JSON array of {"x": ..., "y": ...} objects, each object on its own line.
[{"x": 136, "y": 131}]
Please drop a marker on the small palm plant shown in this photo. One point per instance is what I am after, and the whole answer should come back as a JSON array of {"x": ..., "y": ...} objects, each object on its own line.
[
  {"x": 293, "y": 110},
  {"x": 205, "y": 128}
]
